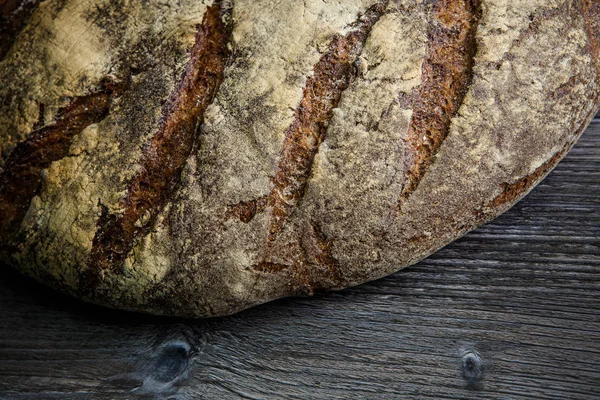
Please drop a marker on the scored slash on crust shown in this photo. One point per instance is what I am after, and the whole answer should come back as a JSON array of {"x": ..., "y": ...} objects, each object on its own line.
[
  {"x": 332, "y": 75},
  {"x": 21, "y": 179},
  {"x": 447, "y": 72},
  {"x": 166, "y": 153}
]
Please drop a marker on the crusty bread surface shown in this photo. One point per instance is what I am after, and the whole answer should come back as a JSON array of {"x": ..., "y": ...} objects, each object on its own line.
[{"x": 196, "y": 158}]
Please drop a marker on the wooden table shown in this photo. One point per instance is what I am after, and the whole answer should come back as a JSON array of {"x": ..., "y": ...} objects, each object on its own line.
[{"x": 512, "y": 310}]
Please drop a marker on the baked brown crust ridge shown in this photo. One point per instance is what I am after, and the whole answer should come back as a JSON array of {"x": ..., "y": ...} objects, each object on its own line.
[
  {"x": 167, "y": 151},
  {"x": 447, "y": 73},
  {"x": 333, "y": 74},
  {"x": 22, "y": 176}
]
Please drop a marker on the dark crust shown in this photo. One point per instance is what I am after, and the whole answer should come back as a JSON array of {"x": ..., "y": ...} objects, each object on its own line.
[
  {"x": 591, "y": 16},
  {"x": 270, "y": 267},
  {"x": 447, "y": 73},
  {"x": 322, "y": 252},
  {"x": 245, "y": 211},
  {"x": 332, "y": 75},
  {"x": 515, "y": 190},
  {"x": 14, "y": 14},
  {"x": 22, "y": 176},
  {"x": 166, "y": 153},
  {"x": 312, "y": 267}
]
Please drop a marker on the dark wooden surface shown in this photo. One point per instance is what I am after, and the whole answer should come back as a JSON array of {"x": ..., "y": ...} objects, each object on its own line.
[{"x": 510, "y": 311}]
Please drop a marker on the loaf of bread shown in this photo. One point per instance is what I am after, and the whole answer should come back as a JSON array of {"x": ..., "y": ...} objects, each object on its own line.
[{"x": 196, "y": 158}]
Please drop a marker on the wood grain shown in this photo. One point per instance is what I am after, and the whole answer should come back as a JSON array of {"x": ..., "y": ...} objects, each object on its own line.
[{"x": 510, "y": 311}]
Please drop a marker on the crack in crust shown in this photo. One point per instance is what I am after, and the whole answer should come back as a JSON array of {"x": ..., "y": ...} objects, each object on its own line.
[
  {"x": 323, "y": 256},
  {"x": 313, "y": 267},
  {"x": 13, "y": 16},
  {"x": 333, "y": 74},
  {"x": 512, "y": 191},
  {"x": 22, "y": 177},
  {"x": 245, "y": 211},
  {"x": 591, "y": 17},
  {"x": 166, "y": 153},
  {"x": 447, "y": 72}
]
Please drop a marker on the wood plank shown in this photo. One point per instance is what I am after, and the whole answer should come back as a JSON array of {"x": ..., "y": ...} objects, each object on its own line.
[{"x": 512, "y": 310}]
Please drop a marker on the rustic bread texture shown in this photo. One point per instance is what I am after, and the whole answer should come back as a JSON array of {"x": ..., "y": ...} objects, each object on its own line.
[{"x": 197, "y": 158}]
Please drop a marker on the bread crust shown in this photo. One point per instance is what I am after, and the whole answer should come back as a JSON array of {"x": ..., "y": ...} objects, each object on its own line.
[{"x": 197, "y": 159}]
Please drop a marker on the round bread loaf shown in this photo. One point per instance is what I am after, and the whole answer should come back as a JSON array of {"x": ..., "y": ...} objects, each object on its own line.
[{"x": 195, "y": 158}]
